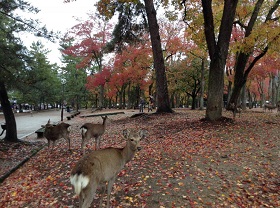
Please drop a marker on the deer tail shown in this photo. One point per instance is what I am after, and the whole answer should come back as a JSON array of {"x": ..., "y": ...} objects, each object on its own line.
[
  {"x": 79, "y": 182},
  {"x": 69, "y": 128},
  {"x": 83, "y": 130}
]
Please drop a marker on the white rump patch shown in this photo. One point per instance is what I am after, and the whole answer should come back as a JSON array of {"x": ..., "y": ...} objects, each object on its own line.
[
  {"x": 83, "y": 131},
  {"x": 79, "y": 182}
]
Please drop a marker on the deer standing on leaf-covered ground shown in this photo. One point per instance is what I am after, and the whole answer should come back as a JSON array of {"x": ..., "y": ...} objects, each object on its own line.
[
  {"x": 89, "y": 130},
  {"x": 56, "y": 132},
  {"x": 270, "y": 107},
  {"x": 103, "y": 166}
]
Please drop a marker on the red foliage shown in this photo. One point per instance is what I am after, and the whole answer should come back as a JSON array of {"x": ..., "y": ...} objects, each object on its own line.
[
  {"x": 99, "y": 78},
  {"x": 90, "y": 38},
  {"x": 131, "y": 66}
]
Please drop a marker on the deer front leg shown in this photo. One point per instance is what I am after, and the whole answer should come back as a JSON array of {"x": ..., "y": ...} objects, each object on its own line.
[
  {"x": 69, "y": 143},
  {"x": 109, "y": 189},
  {"x": 83, "y": 145},
  {"x": 98, "y": 142},
  {"x": 68, "y": 140},
  {"x": 102, "y": 196}
]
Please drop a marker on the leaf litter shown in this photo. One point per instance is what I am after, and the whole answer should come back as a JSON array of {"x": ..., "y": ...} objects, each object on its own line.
[{"x": 184, "y": 162}]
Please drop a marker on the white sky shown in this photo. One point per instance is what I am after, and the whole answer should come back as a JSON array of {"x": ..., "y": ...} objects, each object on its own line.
[{"x": 58, "y": 16}]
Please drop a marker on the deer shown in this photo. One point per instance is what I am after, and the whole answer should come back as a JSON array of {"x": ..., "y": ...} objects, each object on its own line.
[
  {"x": 235, "y": 109},
  {"x": 56, "y": 132},
  {"x": 270, "y": 107},
  {"x": 89, "y": 130},
  {"x": 102, "y": 166},
  {"x": 278, "y": 106}
]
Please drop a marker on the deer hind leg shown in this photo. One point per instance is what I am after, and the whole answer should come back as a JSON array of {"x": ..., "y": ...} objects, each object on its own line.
[
  {"x": 53, "y": 145},
  {"x": 87, "y": 195},
  {"x": 49, "y": 144}
]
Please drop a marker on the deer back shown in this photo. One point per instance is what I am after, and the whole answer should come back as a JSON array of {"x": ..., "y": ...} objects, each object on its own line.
[
  {"x": 100, "y": 165},
  {"x": 110, "y": 160},
  {"x": 93, "y": 129},
  {"x": 56, "y": 132}
]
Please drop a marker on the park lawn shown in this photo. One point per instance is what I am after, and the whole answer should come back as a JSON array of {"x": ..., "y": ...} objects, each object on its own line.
[{"x": 185, "y": 161}]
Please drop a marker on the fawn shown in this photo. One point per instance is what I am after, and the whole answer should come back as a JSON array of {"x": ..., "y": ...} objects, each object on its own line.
[
  {"x": 56, "y": 132},
  {"x": 89, "y": 130},
  {"x": 103, "y": 166}
]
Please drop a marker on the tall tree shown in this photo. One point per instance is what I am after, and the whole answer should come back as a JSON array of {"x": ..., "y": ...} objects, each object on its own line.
[
  {"x": 109, "y": 8},
  {"x": 13, "y": 55},
  {"x": 42, "y": 80},
  {"x": 90, "y": 45},
  {"x": 163, "y": 104},
  {"x": 261, "y": 32},
  {"x": 218, "y": 45}
]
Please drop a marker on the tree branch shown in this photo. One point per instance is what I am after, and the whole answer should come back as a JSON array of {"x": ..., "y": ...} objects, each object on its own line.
[
  {"x": 209, "y": 27},
  {"x": 253, "y": 17},
  {"x": 271, "y": 11},
  {"x": 252, "y": 64},
  {"x": 40, "y": 32},
  {"x": 238, "y": 22}
]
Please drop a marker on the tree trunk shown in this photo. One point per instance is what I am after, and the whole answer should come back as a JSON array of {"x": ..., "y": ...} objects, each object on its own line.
[
  {"x": 11, "y": 127},
  {"x": 193, "y": 101},
  {"x": 229, "y": 89},
  {"x": 101, "y": 96},
  {"x": 273, "y": 91},
  {"x": 163, "y": 103},
  {"x": 250, "y": 99},
  {"x": 277, "y": 86},
  {"x": 262, "y": 93},
  {"x": 202, "y": 84},
  {"x": 218, "y": 51},
  {"x": 215, "y": 91}
]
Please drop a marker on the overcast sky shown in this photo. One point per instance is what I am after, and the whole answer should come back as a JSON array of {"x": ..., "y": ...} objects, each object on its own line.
[{"x": 59, "y": 16}]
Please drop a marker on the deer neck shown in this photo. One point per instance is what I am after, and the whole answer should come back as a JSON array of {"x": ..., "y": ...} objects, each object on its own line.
[{"x": 127, "y": 153}]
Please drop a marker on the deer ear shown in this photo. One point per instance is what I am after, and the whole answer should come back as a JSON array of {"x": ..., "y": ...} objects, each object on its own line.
[
  {"x": 49, "y": 121},
  {"x": 125, "y": 133},
  {"x": 143, "y": 133}
]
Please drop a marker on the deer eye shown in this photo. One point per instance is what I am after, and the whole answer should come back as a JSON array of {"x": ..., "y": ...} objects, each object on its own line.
[{"x": 132, "y": 140}]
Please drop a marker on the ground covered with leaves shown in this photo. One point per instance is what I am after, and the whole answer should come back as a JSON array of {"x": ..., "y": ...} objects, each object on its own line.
[{"x": 185, "y": 161}]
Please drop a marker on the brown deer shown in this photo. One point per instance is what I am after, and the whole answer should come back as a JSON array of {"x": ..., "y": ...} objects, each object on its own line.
[
  {"x": 89, "y": 130},
  {"x": 270, "y": 107},
  {"x": 278, "y": 106},
  {"x": 103, "y": 166},
  {"x": 56, "y": 132},
  {"x": 235, "y": 109}
]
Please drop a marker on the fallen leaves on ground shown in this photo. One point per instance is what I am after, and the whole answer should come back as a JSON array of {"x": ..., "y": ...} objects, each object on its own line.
[{"x": 185, "y": 162}]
